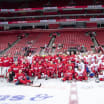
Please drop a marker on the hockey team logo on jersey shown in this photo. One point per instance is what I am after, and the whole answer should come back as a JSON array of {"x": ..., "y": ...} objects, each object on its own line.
[{"x": 15, "y": 68}]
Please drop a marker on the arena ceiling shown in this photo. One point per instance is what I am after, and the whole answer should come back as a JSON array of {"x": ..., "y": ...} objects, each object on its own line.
[{"x": 14, "y": 0}]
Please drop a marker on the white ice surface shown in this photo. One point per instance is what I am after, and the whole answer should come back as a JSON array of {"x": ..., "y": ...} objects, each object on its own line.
[
  {"x": 58, "y": 92},
  {"x": 90, "y": 92}
]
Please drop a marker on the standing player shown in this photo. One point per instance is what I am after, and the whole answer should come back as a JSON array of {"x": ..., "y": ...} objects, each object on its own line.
[
  {"x": 1, "y": 66},
  {"x": 51, "y": 69},
  {"x": 5, "y": 64},
  {"x": 34, "y": 69},
  {"x": 10, "y": 59},
  {"x": 40, "y": 69},
  {"x": 29, "y": 58},
  {"x": 59, "y": 68}
]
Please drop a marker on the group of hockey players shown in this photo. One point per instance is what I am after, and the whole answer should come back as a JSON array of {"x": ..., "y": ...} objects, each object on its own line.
[{"x": 79, "y": 66}]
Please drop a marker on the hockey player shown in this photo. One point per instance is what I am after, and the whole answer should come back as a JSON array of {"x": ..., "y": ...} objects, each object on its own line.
[
  {"x": 67, "y": 65},
  {"x": 29, "y": 58},
  {"x": 95, "y": 67},
  {"x": 1, "y": 66},
  {"x": 51, "y": 69},
  {"x": 36, "y": 58},
  {"x": 10, "y": 59},
  {"x": 20, "y": 78},
  {"x": 5, "y": 64},
  {"x": 101, "y": 65},
  {"x": 40, "y": 69},
  {"x": 64, "y": 59},
  {"x": 19, "y": 59},
  {"x": 101, "y": 75},
  {"x": 90, "y": 69},
  {"x": 14, "y": 68},
  {"x": 59, "y": 68},
  {"x": 72, "y": 57},
  {"x": 6, "y": 61},
  {"x": 80, "y": 74},
  {"x": 24, "y": 66},
  {"x": 34, "y": 69},
  {"x": 45, "y": 68},
  {"x": 100, "y": 56},
  {"x": 68, "y": 75},
  {"x": 12, "y": 71},
  {"x": 81, "y": 63}
]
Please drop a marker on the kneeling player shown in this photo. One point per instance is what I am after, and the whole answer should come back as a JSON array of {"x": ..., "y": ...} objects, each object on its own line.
[
  {"x": 80, "y": 74},
  {"x": 12, "y": 71},
  {"x": 51, "y": 70},
  {"x": 68, "y": 75},
  {"x": 101, "y": 75}
]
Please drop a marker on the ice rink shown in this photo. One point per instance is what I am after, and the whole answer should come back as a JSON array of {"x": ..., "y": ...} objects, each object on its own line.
[{"x": 52, "y": 91}]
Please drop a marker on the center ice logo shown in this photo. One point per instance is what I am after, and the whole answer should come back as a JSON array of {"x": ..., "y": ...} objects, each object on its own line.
[{"x": 38, "y": 97}]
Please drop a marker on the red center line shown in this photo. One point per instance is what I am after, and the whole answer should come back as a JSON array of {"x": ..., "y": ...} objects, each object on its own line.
[{"x": 73, "y": 94}]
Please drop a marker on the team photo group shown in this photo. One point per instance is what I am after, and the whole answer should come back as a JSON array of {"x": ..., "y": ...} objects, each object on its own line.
[{"x": 66, "y": 67}]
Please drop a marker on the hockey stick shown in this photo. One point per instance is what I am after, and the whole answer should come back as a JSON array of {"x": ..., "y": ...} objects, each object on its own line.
[
  {"x": 35, "y": 80},
  {"x": 97, "y": 80},
  {"x": 35, "y": 85}
]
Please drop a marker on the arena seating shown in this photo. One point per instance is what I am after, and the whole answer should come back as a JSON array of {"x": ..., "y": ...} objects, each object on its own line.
[
  {"x": 42, "y": 40},
  {"x": 86, "y": 2},
  {"x": 48, "y": 9},
  {"x": 39, "y": 8},
  {"x": 73, "y": 39},
  {"x": 68, "y": 39},
  {"x": 39, "y": 13},
  {"x": 39, "y": 40},
  {"x": 81, "y": 8},
  {"x": 100, "y": 37},
  {"x": 6, "y": 38},
  {"x": 72, "y": 12}
]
